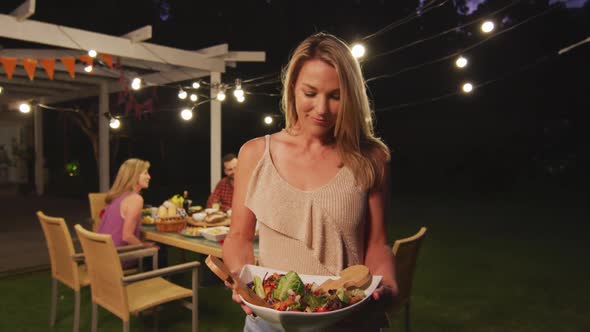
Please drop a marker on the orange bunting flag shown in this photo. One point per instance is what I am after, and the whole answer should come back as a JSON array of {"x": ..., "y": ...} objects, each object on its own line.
[
  {"x": 9, "y": 65},
  {"x": 108, "y": 59},
  {"x": 49, "y": 66},
  {"x": 70, "y": 64},
  {"x": 30, "y": 67},
  {"x": 86, "y": 58}
]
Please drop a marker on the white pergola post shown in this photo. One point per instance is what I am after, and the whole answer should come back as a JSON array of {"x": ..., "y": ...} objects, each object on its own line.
[
  {"x": 103, "y": 138},
  {"x": 215, "y": 131},
  {"x": 39, "y": 158}
]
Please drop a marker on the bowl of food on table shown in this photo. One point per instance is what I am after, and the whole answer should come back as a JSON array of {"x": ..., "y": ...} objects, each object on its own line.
[{"x": 215, "y": 234}]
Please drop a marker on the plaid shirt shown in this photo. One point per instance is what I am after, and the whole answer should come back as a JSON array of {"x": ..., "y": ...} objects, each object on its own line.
[{"x": 223, "y": 194}]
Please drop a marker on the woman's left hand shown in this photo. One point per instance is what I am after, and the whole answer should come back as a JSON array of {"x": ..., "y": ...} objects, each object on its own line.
[{"x": 385, "y": 293}]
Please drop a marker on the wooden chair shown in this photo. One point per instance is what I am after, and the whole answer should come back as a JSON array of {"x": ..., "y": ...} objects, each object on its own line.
[
  {"x": 406, "y": 255},
  {"x": 65, "y": 265},
  {"x": 132, "y": 294},
  {"x": 97, "y": 203}
]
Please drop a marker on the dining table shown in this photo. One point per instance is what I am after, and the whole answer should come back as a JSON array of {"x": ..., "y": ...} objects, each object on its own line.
[{"x": 195, "y": 244}]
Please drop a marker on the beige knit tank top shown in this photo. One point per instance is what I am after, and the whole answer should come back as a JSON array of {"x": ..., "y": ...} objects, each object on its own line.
[{"x": 311, "y": 232}]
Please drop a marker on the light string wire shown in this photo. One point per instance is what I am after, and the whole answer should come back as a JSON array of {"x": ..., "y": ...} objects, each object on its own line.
[
  {"x": 520, "y": 69},
  {"x": 420, "y": 41},
  {"x": 473, "y": 46},
  {"x": 404, "y": 20}
]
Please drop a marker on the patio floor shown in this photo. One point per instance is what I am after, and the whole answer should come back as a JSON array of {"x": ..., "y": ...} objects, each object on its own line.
[{"x": 22, "y": 244}]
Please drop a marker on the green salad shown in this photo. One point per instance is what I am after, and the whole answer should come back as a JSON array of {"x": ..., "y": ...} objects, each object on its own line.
[{"x": 287, "y": 292}]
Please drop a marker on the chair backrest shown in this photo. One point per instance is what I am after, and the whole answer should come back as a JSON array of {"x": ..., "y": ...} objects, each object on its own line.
[
  {"x": 104, "y": 271},
  {"x": 61, "y": 250},
  {"x": 406, "y": 255},
  {"x": 97, "y": 203}
]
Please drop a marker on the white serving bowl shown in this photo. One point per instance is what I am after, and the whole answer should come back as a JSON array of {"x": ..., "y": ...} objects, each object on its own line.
[
  {"x": 294, "y": 320},
  {"x": 199, "y": 216},
  {"x": 215, "y": 233}
]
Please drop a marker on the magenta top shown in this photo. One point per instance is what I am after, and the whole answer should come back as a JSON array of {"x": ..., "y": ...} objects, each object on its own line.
[{"x": 112, "y": 223}]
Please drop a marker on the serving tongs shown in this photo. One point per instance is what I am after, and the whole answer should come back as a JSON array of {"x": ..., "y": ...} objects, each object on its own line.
[
  {"x": 355, "y": 276},
  {"x": 221, "y": 270}
]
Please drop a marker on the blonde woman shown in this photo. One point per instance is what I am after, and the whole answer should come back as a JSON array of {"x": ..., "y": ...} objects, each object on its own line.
[
  {"x": 318, "y": 188},
  {"x": 122, "y": 215}
]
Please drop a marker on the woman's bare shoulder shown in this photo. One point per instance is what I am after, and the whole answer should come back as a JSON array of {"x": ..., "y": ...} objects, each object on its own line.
[
  {"x": 252, "y": 149},
  {"x": 133, "y": 198}
]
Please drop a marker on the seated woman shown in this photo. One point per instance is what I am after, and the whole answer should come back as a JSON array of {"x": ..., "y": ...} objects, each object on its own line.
[{"x": 122, "y": 215}]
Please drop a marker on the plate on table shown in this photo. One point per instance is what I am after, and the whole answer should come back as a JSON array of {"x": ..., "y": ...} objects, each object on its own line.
[
  {"x": 294, "y": 320},
  {"x": 203, "y": 223},
  {"x": 148, "y": 221},
  {"x": 191, "y": 231}
]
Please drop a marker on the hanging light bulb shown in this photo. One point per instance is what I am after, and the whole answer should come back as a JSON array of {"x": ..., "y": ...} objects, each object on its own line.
[
  {"x": 461, "y": 62},
  {"x": 1, "y": 89},
  {"x": 88, "y": 69},
  {"x": 24, "y": 108},
  {"x": 358, "y": 51},
  {"x": 115, "y": 123},
  {"x": 182, "y": 94},
  {"x": 221, "y": 93},
  {"x": 487, "y": 26},
  {"x": 238, "y": 92},
  {"x": 92, "y": 53},
  {"x": 240, "y": 99},
  {"x": 196, "y": 85},
  {"x": 193, "y": 97},
  {"x": 186, "y": 114},
  {"x": 467, "y": 87},
  {"x": 136, "y": 83},
  {"x": 268, "y": 120}
]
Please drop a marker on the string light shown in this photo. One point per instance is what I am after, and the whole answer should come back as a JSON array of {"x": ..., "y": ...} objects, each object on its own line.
[
  {"x": 358, "y": 51},
  {"x": 461, "y": 62},
  {"x": 1, "y": 89},
  {"x": 136, "y": 83},
  {"x": 88, "y": 69},
  {"x": 268, "y": 120},
  {"x": 193, "y": 97},
  {"x": 487, "y": 26},
  {"x": 92, "y": 53},
  {"x": 467, "y": 87},
  {"x": 238, "y": 92},
  {"x": 221, "y": 93},
  {"x": 196, "y": 85},
  {"x": 24, "y": 108},
  {"x": 182, "y": 94},
  {"x": 186, "y": 114},
  {"x": 240, "y": 99},
  {"x": 115, "y": 123}
]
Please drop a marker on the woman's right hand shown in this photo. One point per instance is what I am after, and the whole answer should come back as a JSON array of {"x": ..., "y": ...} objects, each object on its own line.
[{"x": 236, "y": 298}]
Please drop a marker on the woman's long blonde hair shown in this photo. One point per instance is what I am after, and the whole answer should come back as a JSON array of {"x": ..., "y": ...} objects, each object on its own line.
[
  {"x": 127, "y": 177},
  {"x": 356, "y": 144}
]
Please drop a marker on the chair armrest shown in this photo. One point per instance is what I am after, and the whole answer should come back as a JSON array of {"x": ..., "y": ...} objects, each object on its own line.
[
  {"x": 160, "y": 272},
  {"x": 79, "y": 257},
  {"x": 138, "y": 254},
  {"x": 129, "y": 252},
  {"x": 130, "y": 247}
]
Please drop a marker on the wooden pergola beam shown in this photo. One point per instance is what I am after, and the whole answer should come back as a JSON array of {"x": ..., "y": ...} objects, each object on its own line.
[
  {"x": 66, "y": 37},
  {"x": 24, "y": 11}
]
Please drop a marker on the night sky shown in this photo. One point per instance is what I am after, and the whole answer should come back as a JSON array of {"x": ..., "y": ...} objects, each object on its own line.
[{"x": 525, "y": 129}]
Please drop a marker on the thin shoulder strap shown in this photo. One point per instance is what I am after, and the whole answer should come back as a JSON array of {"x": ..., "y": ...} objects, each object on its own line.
[{"x": 267, "y": 144}]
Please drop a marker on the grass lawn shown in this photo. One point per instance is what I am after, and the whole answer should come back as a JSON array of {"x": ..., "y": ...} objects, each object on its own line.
[{"x": 515, "y": 263}]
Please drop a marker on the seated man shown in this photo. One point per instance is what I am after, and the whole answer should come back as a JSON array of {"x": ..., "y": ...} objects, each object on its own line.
[{"x": 224, "y": 190}]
